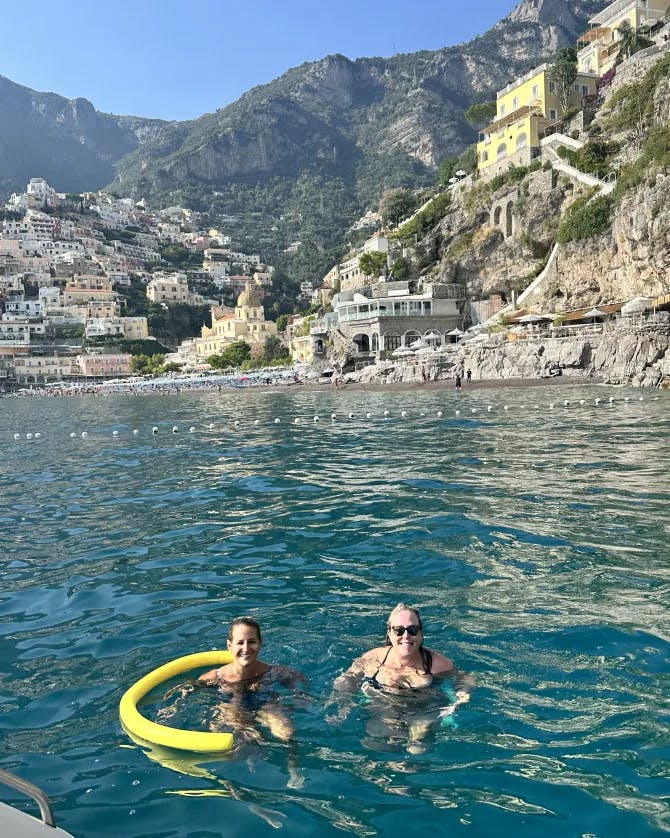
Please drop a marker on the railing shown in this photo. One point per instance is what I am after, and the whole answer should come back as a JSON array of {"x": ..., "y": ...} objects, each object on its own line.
[{"x": 31, "y": 791}]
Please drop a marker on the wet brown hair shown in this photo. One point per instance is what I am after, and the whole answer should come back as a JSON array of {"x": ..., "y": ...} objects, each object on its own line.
[{"x": 245, "y": 621}]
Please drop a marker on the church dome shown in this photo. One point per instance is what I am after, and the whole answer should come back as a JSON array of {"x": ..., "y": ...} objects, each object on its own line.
[{"x": 248, "y": 298}]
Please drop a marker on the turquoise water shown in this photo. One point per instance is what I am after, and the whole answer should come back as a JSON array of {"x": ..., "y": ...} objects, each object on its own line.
[{"x": 535, "y": 542}]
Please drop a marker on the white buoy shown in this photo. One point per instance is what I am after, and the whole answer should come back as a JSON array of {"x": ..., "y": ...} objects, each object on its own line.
[
  {"x": 175, "y": 429},
  {"x": 73, "y": 435},
  {"x": 368, "y": 416},
  {"x": 296, "y": 421},
  {"x": 597, "y": 401},
  {"x": 38, "y": 435},
  {"x": 257, "y": 421},
  {"x": 333, "y": 415},
  {"x": 489, "y": 408},
  {"x": 136, "y": 432},
  {"x": 115, "y": 433},
  {"x": 641, "y": 398},
  {"x": 506, "y": 407},
  {"x": 154, "y": 430},
  {"x": 474, "y": 410},
  {"x": 211, "y": 426},
  {"x": 191, "y": 430},
  {"x": 611, "y": 399},
  {"x": 655, "y": 399},
  {"x": 386, "y": 413},
  {"x": 458, "y": 413},
  {"x": 17, "y": 436},
  {"x": 84, "y": 435},
  {"x": 439, "y": 414},
  {"x": 551, "y": 405},
  {"x": 316, "y": 418},
  {"x": 627, "y": 399},
  {"x": 29, "y": 436},
  {"x": 582, "y": 401},
  {"x": 277, "y": 421},
  {"x": 566, "y": 402},
  {"x": 351, "y": 415},
  {"x": 236, "y": 423},
  {"x": 403, "y": 414},
  {"x": 422, "y": 414}
]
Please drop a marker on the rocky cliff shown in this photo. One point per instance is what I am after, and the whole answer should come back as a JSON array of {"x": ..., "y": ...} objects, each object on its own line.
[
  {"x": 496, "y": 236},
  {"x": 631, "y": 355},
  {"x": 63, "y": 140}
]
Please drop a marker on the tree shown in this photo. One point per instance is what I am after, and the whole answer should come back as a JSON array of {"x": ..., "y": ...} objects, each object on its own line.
[
  {"x": 282, "y": 322},
  {"x": 564, "y": 73},
  {"x": 147, "y": 364},
  {"x": 401, "y": 268},
  {"x": 232, "y": 356},
  {"x": 395, "y": 205},
  {"x": 480, "y": 114},
  {"x": 372, "y": 264}
]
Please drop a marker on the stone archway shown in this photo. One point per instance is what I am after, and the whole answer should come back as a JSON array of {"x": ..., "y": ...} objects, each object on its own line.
[{"x": 362, "y": 342}]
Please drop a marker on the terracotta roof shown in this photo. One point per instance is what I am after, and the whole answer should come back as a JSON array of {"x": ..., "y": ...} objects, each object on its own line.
[{"x": 578, "y": 314}]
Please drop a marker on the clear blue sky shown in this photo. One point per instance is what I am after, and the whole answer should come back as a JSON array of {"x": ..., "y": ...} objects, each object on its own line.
[{"x": 176, "y": 59}]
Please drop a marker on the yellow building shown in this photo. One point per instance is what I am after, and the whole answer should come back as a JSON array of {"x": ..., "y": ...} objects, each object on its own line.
[
  {"x": 247, "y": 322},
  {"x": 598, "y": 48},
  {"x": 525, "y": 108}
]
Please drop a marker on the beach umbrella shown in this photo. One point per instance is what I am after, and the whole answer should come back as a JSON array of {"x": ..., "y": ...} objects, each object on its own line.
[
  {"x": 595, "y": 312},
  {"x": 531, "y": 318},
  {"x": 402, "y": 351},
  {"x": 418, "y": 344},
  {"x": 433, "y": 336},
  {"x": 455, "y": 333}
]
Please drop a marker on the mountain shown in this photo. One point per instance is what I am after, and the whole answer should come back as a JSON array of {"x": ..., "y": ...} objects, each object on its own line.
[
  {"x": 297, "y": 159},
  {"x": 66, "y": 141}
]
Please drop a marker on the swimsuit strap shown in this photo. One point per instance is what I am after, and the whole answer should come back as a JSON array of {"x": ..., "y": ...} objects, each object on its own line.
[{"x": 388, "y": 652}]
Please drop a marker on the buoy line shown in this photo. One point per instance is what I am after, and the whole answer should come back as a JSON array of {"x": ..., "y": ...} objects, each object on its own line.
[{"x": 315, "y": 419}]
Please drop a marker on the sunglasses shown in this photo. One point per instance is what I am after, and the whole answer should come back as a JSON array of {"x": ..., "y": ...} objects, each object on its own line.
[{"x": 400, "y": 630}]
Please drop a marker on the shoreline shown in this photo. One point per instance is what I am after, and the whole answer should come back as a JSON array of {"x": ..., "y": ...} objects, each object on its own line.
[{"x": 446, "y": 385}]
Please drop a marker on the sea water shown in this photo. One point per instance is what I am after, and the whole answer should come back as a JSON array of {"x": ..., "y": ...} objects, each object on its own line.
[{"x": 533, "y": 539}]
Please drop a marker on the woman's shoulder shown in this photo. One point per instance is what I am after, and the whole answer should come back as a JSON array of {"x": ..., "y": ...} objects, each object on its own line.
[
  {"x": 376, "y": 655},
  {"x": 440, "y": 665}
]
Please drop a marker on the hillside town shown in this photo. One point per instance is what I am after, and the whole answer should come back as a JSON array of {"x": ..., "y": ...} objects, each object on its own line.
[{"x": 67, "y": 261}]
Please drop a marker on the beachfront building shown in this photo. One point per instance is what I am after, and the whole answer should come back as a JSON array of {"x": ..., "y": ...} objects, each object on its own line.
[
  {"x": 524, "y": 111},
  {"x": 386, "y": 316},
  {"x": 245, "y": 323},
  {"x": 42, "y": 369},
  {"x": 598, "y": 47},
  {"x": 101, "y": 366}
]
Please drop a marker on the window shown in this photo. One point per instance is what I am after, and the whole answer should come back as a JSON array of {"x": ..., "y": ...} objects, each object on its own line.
[
  {"x": 552, "y": 114},
  {"x": 392, "y": 341},
  {"x": 585, "y": 90},
  {"x": 521, "y": 141},
  {"x": 515, "y": 103},
  {"x": 552, "y": 87},
  {"x": 502, "y": 151},
  {"x": 502, "y": 109},
  {"x": 535, "y": 92}
]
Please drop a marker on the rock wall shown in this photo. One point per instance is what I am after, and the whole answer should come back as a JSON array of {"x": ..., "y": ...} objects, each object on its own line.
[{"x": 638, "y": 357}]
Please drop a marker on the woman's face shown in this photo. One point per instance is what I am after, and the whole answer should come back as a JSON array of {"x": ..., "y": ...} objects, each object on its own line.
[
  {"x": 244, "y": 645},
  {"x": 405, "y": 644}
]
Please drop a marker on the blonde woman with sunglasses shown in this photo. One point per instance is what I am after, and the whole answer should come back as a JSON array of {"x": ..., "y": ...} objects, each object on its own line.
[{"x": 397, "y": 676}]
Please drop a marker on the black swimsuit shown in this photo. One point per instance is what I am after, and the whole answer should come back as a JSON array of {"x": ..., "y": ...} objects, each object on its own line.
[{"x": 426, "y": 657}]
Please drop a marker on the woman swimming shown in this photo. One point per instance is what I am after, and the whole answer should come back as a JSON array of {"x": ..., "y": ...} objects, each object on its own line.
[{"x": 396, "y": 677}]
